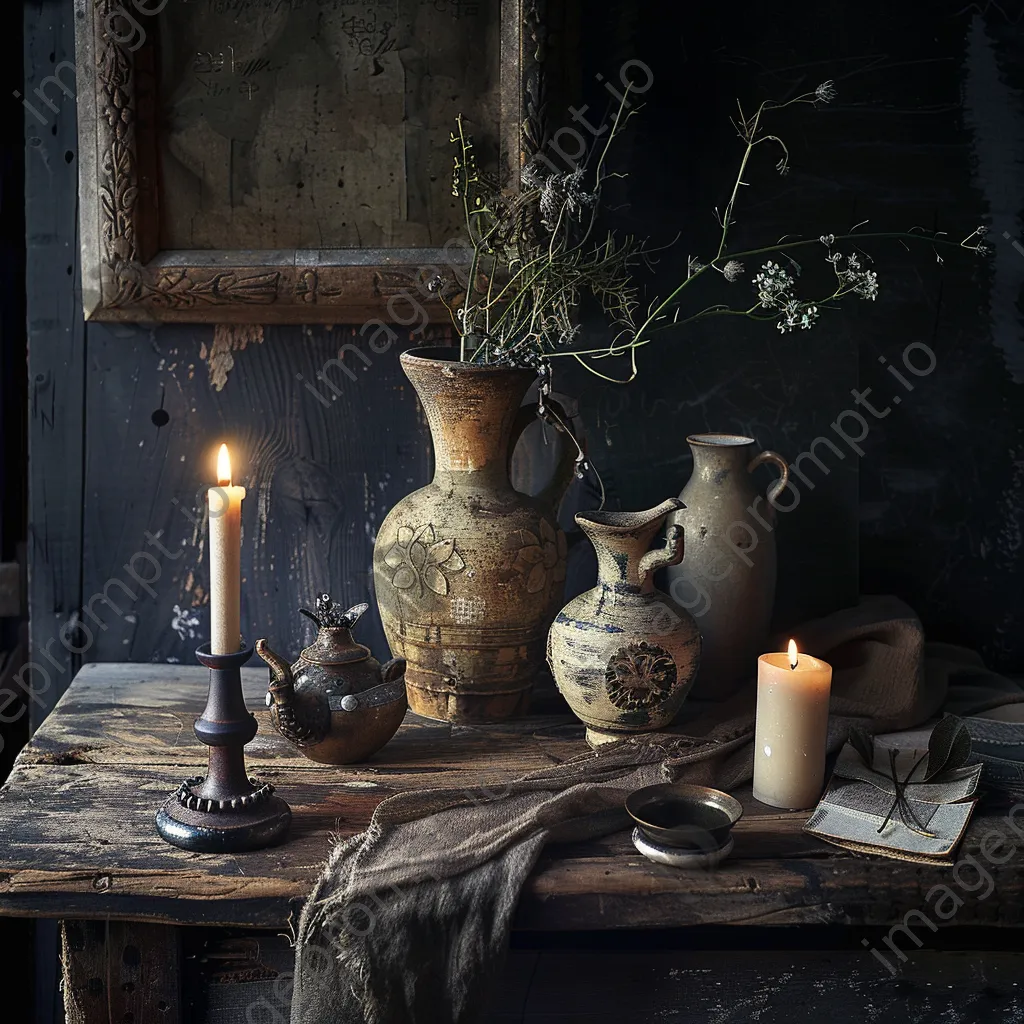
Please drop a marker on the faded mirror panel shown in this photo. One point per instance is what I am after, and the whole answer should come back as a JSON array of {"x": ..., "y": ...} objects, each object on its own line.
[{"x": 306, "y": 124}]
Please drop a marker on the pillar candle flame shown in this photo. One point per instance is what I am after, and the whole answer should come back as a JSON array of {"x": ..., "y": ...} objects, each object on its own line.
[
  {"x": 794, "y": 658},
  {"x": 224, "y": 466}
]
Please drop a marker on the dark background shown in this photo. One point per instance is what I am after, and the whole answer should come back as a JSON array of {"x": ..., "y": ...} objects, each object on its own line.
[{"x": 928, "y": 129}]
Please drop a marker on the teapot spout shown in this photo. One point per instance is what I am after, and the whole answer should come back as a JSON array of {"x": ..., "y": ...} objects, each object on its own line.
[
  {"x": 286, "y": 714},
  {"x": 282, "y": 686}
]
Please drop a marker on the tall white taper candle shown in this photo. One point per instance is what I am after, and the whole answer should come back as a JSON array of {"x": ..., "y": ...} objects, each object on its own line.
[{"x": 225, "y": 514}]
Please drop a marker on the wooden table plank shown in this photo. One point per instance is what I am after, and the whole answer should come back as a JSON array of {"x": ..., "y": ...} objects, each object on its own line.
[
  {"x": 104, "y": 859},
  {"x": 77, "y": 835},
  {"x": 130, "y": 714}
]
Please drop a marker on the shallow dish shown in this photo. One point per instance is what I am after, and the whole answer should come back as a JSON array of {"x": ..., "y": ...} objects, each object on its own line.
[
  {"x": 675, "y": 857},
  {"x": 684, "y": 816}
]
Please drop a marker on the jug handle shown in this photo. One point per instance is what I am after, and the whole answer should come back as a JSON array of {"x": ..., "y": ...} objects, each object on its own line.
[
  {"x": 778, "y": 486},
  {"x": 565, "y": 471},
  {"x": 671, "y": 553}
]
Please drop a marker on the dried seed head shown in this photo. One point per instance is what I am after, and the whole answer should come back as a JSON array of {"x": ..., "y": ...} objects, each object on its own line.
[
  {"x": 732, "y": 270},
  {"x": 826, "y": 92}
]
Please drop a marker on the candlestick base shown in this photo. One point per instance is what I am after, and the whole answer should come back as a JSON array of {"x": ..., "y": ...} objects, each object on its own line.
[
  {"x": 224, "y": 811},
  {"x": 229, "y": 832}
]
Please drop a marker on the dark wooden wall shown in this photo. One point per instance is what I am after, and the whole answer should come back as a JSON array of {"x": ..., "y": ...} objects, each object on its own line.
[
  {"x": 123, "y": 418},
  {"x": 928, "y": 129}
]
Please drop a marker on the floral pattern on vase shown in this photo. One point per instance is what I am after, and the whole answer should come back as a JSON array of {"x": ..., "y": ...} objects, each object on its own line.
[
  {"x": 420, "y": 559},
  {"x": 541, "y": 559},
  {"x": 639, "y": 676}
]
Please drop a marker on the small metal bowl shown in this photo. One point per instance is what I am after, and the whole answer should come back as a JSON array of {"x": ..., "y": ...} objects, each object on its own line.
[{"x": 685, "y": 817}]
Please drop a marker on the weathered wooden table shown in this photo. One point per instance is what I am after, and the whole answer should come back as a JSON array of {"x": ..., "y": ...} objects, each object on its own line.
[{"x": 77, "y": 843}]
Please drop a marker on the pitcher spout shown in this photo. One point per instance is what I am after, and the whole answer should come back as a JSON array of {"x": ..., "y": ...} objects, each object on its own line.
[{"x": 622, "y": 539}]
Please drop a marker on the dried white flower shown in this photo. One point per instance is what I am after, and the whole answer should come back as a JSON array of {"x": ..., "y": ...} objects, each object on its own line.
[
  {"x": 795, "y": 315},
  {"x": 732, "y": 270},
  {"x": 773, "y": 284},
  {"x": 694, "y": 266},
  {"x": 828, "y": 240},
  {"x": 866, "y": 285},
  {"x": 826, "y": 92},
  {"x": 855, "y": 279}
]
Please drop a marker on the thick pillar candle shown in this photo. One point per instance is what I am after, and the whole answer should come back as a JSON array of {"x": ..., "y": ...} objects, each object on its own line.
[
  {"x": 791, "y": 732},
  {"x": 225, "y": 507}
]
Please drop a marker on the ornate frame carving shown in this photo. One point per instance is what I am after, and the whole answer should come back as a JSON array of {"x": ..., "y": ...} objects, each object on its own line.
[{"x": 126, "y": 278}]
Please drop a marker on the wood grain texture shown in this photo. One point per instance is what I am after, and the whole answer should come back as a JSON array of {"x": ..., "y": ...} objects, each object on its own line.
[
  {"x": 121, "y": 972},
  {"x": 769, "y": 987},
  {"x": 56, "y": 373},
  {"x": 112, "y": 864},
  {"x": 56, "y": 343},
  {"x": 85, "y": 981},
  {"x": 251, "y": 979},
  {"x": 322, "y": 461}
]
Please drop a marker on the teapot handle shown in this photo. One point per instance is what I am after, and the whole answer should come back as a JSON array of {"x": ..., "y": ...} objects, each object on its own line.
[
  {"x": 565, "y": 471},
  {"x": 778, "y": 486}
]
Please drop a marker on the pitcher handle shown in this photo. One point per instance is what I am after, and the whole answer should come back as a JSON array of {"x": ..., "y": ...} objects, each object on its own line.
[
  {"x": 565, "y": 471},
  {"x": 671, "y": 553},
  {"x": 776, "y": 488}
]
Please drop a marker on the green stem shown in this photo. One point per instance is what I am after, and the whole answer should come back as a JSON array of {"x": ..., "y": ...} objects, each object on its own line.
[{"x": 667, "y": 303}]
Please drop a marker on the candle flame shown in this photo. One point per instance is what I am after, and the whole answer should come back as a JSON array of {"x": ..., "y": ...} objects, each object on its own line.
[
  {"x": 224, "y": 466},
  {"x": 793, "y": 655}
]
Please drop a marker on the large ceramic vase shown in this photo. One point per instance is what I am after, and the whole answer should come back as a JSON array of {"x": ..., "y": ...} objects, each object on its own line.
[
  {"x": 468, "y": 571},
  {"x": 727, "y": 578},
  {"x": 624, "y": 655}
]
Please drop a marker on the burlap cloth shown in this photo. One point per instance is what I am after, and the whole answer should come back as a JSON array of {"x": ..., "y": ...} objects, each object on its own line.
[{"x": 409, "y": 921}]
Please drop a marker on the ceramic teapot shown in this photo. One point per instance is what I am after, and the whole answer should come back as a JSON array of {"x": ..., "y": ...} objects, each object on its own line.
[{"x": 336, "y": 703}]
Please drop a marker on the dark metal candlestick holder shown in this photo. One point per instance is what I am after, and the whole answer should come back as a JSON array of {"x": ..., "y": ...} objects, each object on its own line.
[{"x": 225, "y": 812}]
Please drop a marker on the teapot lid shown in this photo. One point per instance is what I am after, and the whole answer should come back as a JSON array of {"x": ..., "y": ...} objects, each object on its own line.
[{"x": 334, "y": 644}]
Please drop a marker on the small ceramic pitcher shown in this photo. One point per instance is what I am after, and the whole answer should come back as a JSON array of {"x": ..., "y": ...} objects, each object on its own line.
[
  {"x": 727, "y": 579},
  {"x": 624, "y": 655}
]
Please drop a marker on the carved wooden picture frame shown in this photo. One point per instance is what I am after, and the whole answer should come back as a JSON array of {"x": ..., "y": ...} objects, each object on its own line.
[{"x": 129, "y": 273}]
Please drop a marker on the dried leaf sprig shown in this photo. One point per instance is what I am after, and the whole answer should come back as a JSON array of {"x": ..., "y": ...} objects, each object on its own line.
[{"x": 536, "y": 255}]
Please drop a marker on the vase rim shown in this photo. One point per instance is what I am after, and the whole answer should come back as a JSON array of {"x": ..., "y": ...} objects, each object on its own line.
[
  {"x": 627, "y": 522},
  {"x": 443, "y": 355},
  {"x": 717, "y": 440}
]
